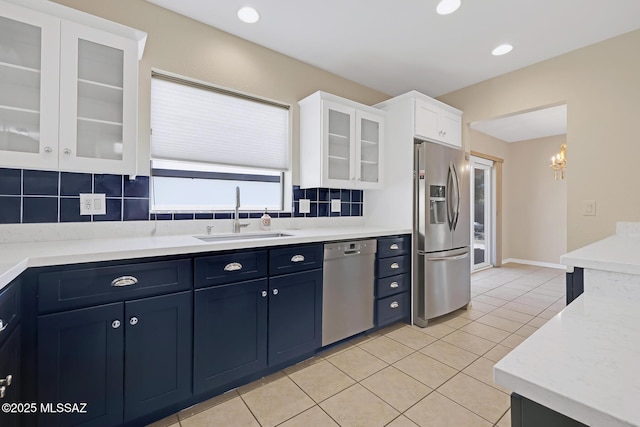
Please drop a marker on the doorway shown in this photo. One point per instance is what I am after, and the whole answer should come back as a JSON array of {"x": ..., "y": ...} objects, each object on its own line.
[{"x": 482, "y": 208}]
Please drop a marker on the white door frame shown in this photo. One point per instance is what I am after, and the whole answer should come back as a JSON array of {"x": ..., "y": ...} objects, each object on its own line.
[{"x": 489, "y": 210}]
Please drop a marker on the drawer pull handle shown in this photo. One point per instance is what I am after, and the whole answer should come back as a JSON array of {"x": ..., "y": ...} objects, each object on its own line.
[
  {"x": 3, "y": 392},
  {"x": 394, "y": 285},
  {"x": 233, "y": 266},
  {"x": 395, "y": 266},
  {"x": 124, "y": 281},
  {"x": 3, "y": 325},
  {"x": 133, "y": 321},
  {"x": 394, "y": 304},
  {"x": 6, "y": 381},
  {"x": 394, "y": 247},
  {"x": 275, "y": 292},
  {"x": 297, "y": 258},
  {"x": 264, "y": 294},
  {"x": 115, "y": 324}
]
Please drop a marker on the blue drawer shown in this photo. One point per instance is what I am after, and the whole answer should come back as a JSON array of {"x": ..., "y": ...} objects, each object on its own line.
[
  {"x": 393, "y": 308},
  {"x": 393, "y": 266},
  {"x": 9, "y": 309},
  {"x": 393, "y": 246},
  {"x": 295, "y": 258},
  {"x": 229, "y": 268},
  {"x": 71, "y": 287},
  {"x": 392, "y": 285}
]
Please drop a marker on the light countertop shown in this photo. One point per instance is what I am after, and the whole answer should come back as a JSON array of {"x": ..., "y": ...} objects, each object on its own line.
[
  {"x": 582, "y": 363},
  {"x": 619, "y": 253},
  {"x": 17, "y": 257}
]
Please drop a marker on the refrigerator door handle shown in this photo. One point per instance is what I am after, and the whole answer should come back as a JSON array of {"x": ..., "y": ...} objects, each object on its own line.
[
  {"x": 456, "y": 183},
  {"x": 450, "y": 213},
  {"x": 449, "y": 258}
]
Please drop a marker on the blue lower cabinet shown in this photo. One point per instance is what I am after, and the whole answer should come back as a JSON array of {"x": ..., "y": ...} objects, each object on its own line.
[
  {"x": 230, "y": 333},
  {"x": 124, "y": 360},
  {"x": 295, "y": 315},
  {"x": 158, "y": 357},
  {"x": 80, "y": 359}
]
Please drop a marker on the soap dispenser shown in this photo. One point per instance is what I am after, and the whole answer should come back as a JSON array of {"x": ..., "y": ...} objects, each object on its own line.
[{"x": 265, "y": 221}]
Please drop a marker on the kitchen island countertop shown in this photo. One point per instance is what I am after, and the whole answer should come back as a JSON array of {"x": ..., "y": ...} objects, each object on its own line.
[{"x": 582, "y": 363}]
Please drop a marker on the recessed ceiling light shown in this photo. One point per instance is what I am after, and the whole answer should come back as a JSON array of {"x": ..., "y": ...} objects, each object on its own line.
[
  {"x": 502, "y": 49},
  {"x": 446, "y": 7},
  {"x": 248, "y": 14}
]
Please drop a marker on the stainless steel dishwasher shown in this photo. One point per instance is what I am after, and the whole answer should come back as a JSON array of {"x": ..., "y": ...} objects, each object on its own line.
[{"x": 348, "y": 288}]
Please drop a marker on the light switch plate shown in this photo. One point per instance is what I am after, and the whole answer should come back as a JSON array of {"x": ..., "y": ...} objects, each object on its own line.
[
  {"x": 335, "y": 205},
  {"x": 589, "y": 207},
  {"x": 305, "y": 205}
]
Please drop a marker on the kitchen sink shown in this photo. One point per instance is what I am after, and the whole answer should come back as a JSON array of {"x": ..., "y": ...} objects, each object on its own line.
[{"x": 240, "y": 236}]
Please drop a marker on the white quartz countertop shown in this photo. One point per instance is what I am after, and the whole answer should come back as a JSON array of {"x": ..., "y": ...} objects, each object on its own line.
[
  {"x": 17, "y": 257},
  {"x": 582, "y": 363},
  {"x": 618, "y": 253}
]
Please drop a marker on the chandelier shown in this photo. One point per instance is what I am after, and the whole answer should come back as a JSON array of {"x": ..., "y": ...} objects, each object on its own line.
[{"x": 559, "y": 162}]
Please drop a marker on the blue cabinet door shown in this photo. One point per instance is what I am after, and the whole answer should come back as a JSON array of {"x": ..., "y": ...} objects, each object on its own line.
[
  {"x": 10, "y": 366},
  {"x": 230, "y": 333},
  {"x": 158, "y": 337},
  {"x": 295, "y": 315},
  {"x": 80, "y": 359}
]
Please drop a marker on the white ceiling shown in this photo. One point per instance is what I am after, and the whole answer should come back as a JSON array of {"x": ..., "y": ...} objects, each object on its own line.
[
  {"x": 528, "y": 125},
  {"x": 395, "y": 47}
]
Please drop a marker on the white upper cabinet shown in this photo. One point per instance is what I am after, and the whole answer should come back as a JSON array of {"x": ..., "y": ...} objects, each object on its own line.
[
  {"x": 29, "y": 74},
  {"x": 436, "y": 122},
  {"x": 340, "y": 143},
  {"x": 69, "y": 92}
]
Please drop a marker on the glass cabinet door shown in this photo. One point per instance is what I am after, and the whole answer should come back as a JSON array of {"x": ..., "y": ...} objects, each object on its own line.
[
  {"x": 29, "y": 70},
  {"x": 339, "y": 137},
  {"x": 95, "y": 125},
  {"x": 368, "y": 149}
]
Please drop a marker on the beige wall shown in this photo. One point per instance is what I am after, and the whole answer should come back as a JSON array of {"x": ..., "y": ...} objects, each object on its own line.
[
  {"x": 601, "y": 88},
  {"x": 535, "y": 204},
  {"x": 186, "y": 47}
]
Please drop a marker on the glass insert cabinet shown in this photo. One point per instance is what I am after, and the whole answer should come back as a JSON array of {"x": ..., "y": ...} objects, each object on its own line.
[
  {"x": 340, "y": 143},
  {"x": 68, "y": 94}
]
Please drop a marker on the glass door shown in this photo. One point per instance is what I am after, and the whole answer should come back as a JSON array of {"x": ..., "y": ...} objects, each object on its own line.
[
  {"x": 482, "y": 212},
  {"x": 368, "y": 149},
  {"x": 339, "y": 137},
  {"x": 29, "y": 62}
]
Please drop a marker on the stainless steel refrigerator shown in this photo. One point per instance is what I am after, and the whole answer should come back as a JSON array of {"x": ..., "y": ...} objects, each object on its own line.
[{"x": 442, "y": 263}]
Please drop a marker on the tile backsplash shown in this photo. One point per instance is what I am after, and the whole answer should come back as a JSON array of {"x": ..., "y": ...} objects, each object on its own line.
[{"x": 35, "y": 196}]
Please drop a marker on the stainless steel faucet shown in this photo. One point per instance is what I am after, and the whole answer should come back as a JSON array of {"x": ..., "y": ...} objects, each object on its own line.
[{"x": 236, "y": 221}]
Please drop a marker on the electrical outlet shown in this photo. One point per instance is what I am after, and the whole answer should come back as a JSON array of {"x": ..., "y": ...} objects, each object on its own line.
[
  {"x": 589, "y": 207},
  {"x": 92, "y": 204},
  {"x": 305, "y": 205},
  {"x": 335, "y": 205}
]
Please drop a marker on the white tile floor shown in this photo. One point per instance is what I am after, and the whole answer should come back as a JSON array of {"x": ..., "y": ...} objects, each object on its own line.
[{"x": 403, "y": 375}]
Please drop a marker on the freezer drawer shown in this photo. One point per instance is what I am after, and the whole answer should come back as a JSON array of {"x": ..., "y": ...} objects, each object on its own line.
[{"x": 443, "y": 284}]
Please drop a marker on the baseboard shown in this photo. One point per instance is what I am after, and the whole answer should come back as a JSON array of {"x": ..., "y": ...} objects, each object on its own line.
[{"x": 536, "y": 263}]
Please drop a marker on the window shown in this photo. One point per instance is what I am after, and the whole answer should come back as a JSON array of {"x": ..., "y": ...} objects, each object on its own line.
[{"x": 207, "y": 141}]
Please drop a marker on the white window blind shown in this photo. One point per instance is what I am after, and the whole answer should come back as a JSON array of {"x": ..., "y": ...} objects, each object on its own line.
[{"x": 195, "y": 123}]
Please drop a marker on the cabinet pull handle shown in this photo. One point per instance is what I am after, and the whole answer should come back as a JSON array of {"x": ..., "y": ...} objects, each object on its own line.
[
  {"x": 6, "y": 381},
  {"x": 124, "y": 281},
  {"x": 395, "y": 266},
  {"x": 3, "y": 392},
  {"x": 233, "y": 266},
  {"x": 297, "y": 258},
  {"x": 133, "y": 321},
  {"x": 394, "y": 285},
  {"x": 264, "y": 294},
  {"x": 67, "y": 151},
  {"x": 3, "y": 325},
  {"x": 48, "y": 149},
  {"x": 394, "y": 247},
  {"x": 115, "y": 324},
  {"x": 275, "y": 292},
  {"x": 394, "y": 304}
]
